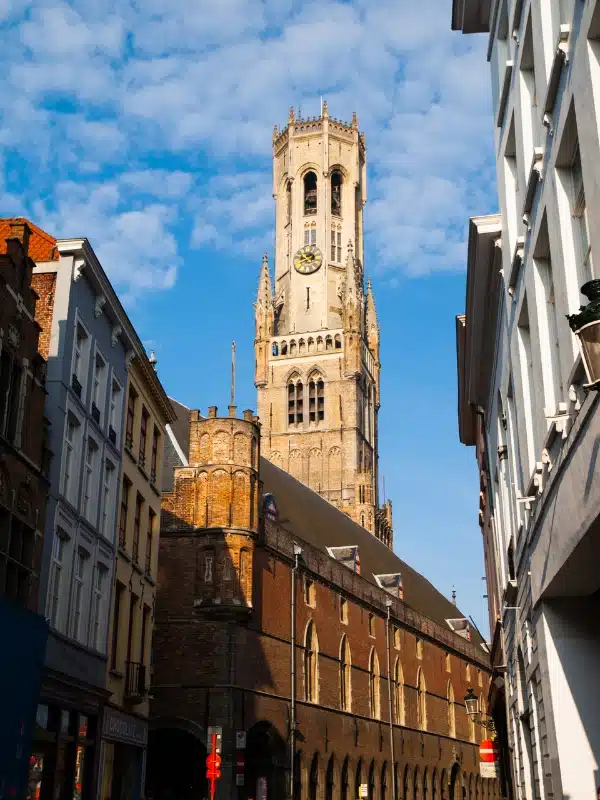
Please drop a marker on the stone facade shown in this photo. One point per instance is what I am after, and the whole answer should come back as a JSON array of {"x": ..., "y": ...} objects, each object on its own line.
[{"x": 317, "y": 336}]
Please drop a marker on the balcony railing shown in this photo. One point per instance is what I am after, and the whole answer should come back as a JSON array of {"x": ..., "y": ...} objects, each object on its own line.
[
  {"x": 135, "y": 681},
  {"x": 76, "y": 385},
  {"x": 122, "y": 532},
  {"x": 142, "y": 459},
  {"x": 112, "y": 435},
  {"x": 153, "y": 475},
  {"x": 149, "y": 559},
  {"x": 129, "y": 440},
  {"x": 95, "y": 413}
]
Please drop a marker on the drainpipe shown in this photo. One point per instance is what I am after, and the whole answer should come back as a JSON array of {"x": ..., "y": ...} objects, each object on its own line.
[
  {"x": 297, "y": 553},
  {"x": 388, "y": 604}
]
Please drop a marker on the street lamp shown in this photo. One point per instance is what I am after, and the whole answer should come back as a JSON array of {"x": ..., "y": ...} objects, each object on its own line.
[
  {"x": 586, "y": 326},
  {"x": 472, "y": 706}
]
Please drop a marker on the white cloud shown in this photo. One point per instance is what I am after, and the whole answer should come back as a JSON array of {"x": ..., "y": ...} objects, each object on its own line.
[{"x": 150, "y": 97}]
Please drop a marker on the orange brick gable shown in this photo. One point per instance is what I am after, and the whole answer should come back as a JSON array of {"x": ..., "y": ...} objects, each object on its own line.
[{"x": 42, "y": 246}]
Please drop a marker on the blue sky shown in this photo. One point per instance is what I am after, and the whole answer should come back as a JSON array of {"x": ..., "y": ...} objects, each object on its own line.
[{"x": 146, "y": 126}]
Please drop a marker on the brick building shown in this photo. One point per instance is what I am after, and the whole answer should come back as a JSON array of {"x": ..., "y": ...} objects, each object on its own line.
[
  {"x": 24, "y": 458},
  {"x": 223, "y": 639}
]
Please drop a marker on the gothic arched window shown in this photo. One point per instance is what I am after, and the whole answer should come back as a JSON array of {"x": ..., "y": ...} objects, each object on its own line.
[
  {"x": 451, "y": 713},
  {"x": 310, "y": 194},
  {"x": 399, "y": 693},
  {"x": 336, "y": 193},
  {"x": 345, "y": 667},
  {"x": 374, "y": 697},
  {"x": 328, "y": 343},
  {"x": 288, "y": 202},
  {"x": 316, "y": 399},
  {"x": 421, "y": 701},
  {"x": 295, "y": 401},
  {"x": 338, "y": 342},
  {"x": 311, "y": 668}
]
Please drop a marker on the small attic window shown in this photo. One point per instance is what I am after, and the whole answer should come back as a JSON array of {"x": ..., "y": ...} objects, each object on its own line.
[
  {"x": 460, "y": 626},
  {"x": 270, "y": 508},
  {"x": 349, "y": 556},
  {"x": 392, "y": 583}
]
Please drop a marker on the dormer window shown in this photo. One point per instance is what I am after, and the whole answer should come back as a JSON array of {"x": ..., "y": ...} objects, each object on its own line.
[
  {"x": 336, "y": 193},
  {"x": 392, "y": 583},
  {"x": 310, "y": 194},
  {"x": 460, "y": 626},
  {"x": 349, "y": 556}
]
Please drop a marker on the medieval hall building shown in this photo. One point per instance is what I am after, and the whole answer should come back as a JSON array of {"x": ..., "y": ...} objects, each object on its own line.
[{"x": 284, "y": 621}]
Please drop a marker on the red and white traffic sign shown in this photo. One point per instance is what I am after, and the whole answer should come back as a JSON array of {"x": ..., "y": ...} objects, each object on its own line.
[{"x": 488, "y": 752}]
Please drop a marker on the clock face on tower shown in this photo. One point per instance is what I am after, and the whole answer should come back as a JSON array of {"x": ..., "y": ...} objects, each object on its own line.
[{"x": 308, "y": 259}]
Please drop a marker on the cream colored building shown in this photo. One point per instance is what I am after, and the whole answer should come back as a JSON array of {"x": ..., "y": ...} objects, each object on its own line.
[
  {"x": 147, "y": 412},
  {"x": 317, "y": 336}
]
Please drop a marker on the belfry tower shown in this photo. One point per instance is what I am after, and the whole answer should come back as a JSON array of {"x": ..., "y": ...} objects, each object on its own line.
[{"x": 317, "y": 337}]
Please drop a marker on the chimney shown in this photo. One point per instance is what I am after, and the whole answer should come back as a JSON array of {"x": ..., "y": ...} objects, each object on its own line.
[
  {"x": 248, "y": 415},
  {"x": 212, "y": 412},
  {"x": 19, "y": 229},
  {"x": 232, "y": 410}
]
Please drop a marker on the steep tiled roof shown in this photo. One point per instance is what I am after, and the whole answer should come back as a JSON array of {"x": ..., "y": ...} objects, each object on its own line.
[{"x": 42, "y": 246}]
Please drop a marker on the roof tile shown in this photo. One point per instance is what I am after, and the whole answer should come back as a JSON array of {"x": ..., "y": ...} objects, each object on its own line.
[{"x": 42, "y": 246}]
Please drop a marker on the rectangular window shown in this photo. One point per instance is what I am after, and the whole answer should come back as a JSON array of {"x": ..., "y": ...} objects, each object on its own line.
[
  {"x": 339, "y": 246},
  {"x": 10, "y": 395},
  {"x": 123, "y": 512},
  {"x": 419, "y": 643},
  {"x": 70, "y": 459},
  {"x": 313, "y": 235},
  {"x": 98, "y": 607},
  {"x": 397, "y": 638},
  {"x": 80, "y": 360},
  {"x": 580, "y": 215},
  {"x": 131, "y": 400},
  {"x": 137, "y": 520},
  {"x": 114, "y": 421},
  {"x": 143, "y": 436},
  {"x": 154, "y": 461},
  {"x": 307, "y": 236},
  {"x": 107, "y": 490},
  {"x": 78, "y": 591},
  {"x": 309, "y": 592},
  {"x": 98, "y": 388},
  {"x": 149, "y": 540},
  {"x": 333, "y": 250},
  {"x": 371, "y": 624},
  {"x": 56, "y": 568},
  {"x": 88, "y": 508},
  {"x": 145, "y": 632},
  {"x": 119, "y": 591},
  {"x": 344, "y": 610}
]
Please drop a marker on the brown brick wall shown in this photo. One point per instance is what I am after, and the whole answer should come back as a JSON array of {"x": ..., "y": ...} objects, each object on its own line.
[
  {"x": 44, "y": 284},
  {"x": 23, "y": 487}
]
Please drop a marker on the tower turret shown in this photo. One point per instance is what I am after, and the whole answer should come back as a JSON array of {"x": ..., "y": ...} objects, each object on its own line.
[
  {"x": 263, "y": 322},
  {"x": 214, "y": 508}
]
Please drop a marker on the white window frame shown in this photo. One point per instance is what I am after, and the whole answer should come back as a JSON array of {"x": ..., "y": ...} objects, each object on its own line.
[
  {"x": 77, "y": 606},
  {"x": 71, "y": 458},
  {"x": 108, "y": 480},
  {"x": 99, "y": 383},
  {"x": 115, "y": 415},
  {"x": 80, "y": 359},
  {"x": 98, "y": 605},
  {"x": 89, "y": 499},
  {"x": 57, "y": 570}
]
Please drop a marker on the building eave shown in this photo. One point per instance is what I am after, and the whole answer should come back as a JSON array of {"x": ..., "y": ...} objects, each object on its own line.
[
  {"x": 97, "y": 277},
  {"x": 476, "y": 329},
  {"x": 471, "y": 16}
]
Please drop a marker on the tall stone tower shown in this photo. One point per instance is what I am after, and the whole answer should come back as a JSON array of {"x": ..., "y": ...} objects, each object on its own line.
[{"x": 317, "y": 337}]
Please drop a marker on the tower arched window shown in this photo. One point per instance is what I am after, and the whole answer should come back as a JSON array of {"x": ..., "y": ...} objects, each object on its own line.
[
  {"x": 328, "y": 343},
  {"x": 451, "y": 711},
  {"x": 374, "y": 681},
  {"x": 311, "y": 667},
  {"x": 295, "y": 401},
  {"x": 310, "y": 194},
  {"x": 345, "y": 667},
  {"x": 288, "y": 202},
  {"x": 421, "y": 701},
  {"x": 316, "y": 399},
  {"x": 336, "y": 193}
]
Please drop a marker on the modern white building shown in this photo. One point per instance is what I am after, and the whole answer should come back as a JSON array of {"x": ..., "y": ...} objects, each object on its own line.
[{"x": 539, "y": 426}]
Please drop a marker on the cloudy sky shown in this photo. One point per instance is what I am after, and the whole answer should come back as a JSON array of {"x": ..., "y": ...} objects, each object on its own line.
[{"x": 146, "y": 126}]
